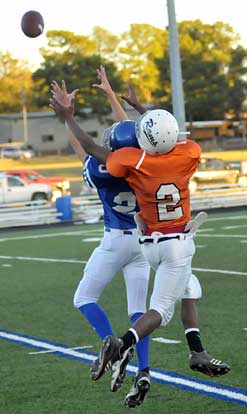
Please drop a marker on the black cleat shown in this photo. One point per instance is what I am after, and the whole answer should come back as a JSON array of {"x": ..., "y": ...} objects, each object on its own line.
[
  {"x": 206, "y": 364},
  {"x": 109, "y": 354},
  {"x": 119, "y": 369},
  {"x": 138, "y": 390}
]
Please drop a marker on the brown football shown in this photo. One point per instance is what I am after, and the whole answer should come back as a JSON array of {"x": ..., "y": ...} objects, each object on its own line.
[{"x": 32, "y": 23}]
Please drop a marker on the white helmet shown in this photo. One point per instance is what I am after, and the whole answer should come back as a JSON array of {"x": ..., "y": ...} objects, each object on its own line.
[{"x": 157, "y": 131}]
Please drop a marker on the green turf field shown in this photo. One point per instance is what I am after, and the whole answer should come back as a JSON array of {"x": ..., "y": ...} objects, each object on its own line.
[{"x": 40, "y": 270}]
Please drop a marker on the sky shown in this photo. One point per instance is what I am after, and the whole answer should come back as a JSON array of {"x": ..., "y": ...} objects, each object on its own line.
[{"x": 81, "y": 16}]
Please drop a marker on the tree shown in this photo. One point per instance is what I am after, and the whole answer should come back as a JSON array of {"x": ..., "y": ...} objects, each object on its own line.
[
  {"x": 77, "y": 66},
  {"x": 138, "y": 50},
  {"x": 236, "y": 77},
  {"x": 15, "y": 83},
  {"x": 106, "y": 43},
  {"x": 207, "y": 53}
]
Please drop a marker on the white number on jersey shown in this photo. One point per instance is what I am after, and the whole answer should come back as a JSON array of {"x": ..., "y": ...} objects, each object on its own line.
[
  {"x": 167, "y": 210},
  {"x": 126, "y": 202}
]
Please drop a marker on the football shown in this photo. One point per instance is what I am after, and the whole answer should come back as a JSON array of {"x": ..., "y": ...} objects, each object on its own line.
[{"x": 32, "y": 23}]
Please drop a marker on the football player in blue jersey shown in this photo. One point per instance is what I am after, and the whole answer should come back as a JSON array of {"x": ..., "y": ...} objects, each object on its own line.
[{"x": 118, "y": 250}]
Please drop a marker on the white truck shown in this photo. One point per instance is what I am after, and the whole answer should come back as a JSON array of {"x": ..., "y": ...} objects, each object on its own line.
[{"x": 15, "y": 190}]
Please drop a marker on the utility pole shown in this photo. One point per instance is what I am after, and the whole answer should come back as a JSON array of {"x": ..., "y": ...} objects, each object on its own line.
[
  {"x": 24, "y": 114},
  {"x": 175, "y": 68}
]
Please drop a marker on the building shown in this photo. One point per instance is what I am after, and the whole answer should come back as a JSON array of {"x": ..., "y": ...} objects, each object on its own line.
[{"x": 46, "y": 133}]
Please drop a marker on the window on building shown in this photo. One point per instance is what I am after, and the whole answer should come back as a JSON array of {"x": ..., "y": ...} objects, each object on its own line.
[{"x": 47, "y": 138}]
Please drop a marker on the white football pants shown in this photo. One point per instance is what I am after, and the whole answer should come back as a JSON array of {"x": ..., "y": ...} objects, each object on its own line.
[
  {"x": 171, "y": 261},
  {"x": 117, "y": 251}
]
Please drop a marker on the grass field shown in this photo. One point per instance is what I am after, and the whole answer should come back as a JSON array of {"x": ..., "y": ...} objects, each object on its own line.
[{"x": 40, "y": 270}]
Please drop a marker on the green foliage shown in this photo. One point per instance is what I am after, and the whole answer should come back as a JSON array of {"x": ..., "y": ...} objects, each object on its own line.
[
  {"x": 78, "y": 71},
  {"x": 139, "y": 48},
  {"x": 213, "y": 70},
  {"x": 15, "y": 83}
]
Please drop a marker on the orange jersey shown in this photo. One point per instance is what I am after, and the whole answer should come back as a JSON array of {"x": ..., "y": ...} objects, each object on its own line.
[{"x": 160, "y": 182}]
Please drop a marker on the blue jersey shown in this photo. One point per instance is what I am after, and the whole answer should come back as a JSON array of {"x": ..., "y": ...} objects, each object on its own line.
[{"x": 119, "y": 202}]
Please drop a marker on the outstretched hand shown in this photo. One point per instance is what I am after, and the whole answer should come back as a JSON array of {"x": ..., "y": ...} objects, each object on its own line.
[
  {"x": 105, "y": 84},
  {"x": 62, "y": 102},
  {"x": 130, "y": 96}
]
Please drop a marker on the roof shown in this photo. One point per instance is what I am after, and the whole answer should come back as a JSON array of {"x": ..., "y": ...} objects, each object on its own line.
[{"x": 205, "y": 124}]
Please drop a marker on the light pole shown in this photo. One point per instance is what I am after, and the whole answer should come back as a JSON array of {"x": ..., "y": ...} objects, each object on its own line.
[
  {"x": 24, "y": 115},
  {"x": 175, "y": 68}
]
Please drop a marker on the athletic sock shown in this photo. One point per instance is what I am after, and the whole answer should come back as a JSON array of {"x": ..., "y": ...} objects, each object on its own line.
[
  {"x": 97, "y": 318},
  {"x": 194, "y": 340},
  {"x": 129, "y": 339},
  {"x": 142, "y": 347}
]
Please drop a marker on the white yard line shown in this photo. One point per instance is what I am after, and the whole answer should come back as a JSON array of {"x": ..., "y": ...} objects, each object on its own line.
[
  {"x": 225, "y": 272},
  {"x": 51, "y": 351},
  {"x": 233, "y": 227},
  {"x": 43, "y": 259},
  {"x": 42, "y": 236},
  {"x": 166, "y": 341},
  {"x": 227, "y": 218},
  {"x": 227, "y": 236},
  {"x": 75, "y": 261}
]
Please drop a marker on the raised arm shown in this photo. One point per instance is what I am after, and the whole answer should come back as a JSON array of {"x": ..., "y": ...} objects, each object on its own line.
[
  {"x": 117, "y": 109},
  {"x": 132, "y": 99},
  {"x": 66, "y": 97},
  {"x": 65, "y": 110}
]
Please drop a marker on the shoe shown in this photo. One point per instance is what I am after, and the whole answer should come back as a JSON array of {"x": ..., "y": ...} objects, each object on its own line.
[
  {"x": 138, "y": 390},
  {"x": 205, "y": 363},
  {"x": 108, "y": 355},
  {"x": 119, "y": 369}
]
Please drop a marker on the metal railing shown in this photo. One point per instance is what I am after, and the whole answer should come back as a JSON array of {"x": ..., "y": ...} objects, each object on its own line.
[
  {"x": 20, "y": 214},
  {"x": 88, "y": 208}
]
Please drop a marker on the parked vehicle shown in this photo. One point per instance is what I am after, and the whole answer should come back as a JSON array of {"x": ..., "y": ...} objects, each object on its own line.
[
  {"x": 14, "y": 190},
  {"x": 15, "y": 151},
  {"x": 216, "y": 171},
  {"x": 60, "y": 186}
]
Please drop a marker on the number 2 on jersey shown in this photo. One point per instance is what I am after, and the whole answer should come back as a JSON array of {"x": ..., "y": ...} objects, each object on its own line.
[{"x": 168, "y": 208}]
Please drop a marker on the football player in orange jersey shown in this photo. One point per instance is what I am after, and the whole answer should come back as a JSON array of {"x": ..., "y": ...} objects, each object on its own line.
[{"x": 159, "y": 173}]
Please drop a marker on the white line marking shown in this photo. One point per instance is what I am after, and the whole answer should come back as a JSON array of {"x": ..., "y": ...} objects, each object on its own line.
[
  {"x": 166, "y": 341},
  {"x": 232, "y": 394},
  {"x": 43, "y": 259},
  {"x": 225, "y": 272},
  {"x": 244, "y": 329},
  {"x": 51, "y": 351},
  {"x": 226, "y": 236},
  {"x": 91, "y": 239},
  {"x": 42, "y": 236},
  {"x": 50, "y": 347},
  {"x": 6, "y": 265},
  {"x": 200, "y": 246},
  {"x": 233, "y": 227},
  {"x": 227, "y": 218},
  {"x": 75, "y": 261},
  {"x": 243, "y": 241}
]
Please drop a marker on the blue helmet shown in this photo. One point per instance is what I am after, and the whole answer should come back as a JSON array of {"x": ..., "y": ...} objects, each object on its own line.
[{"x": 121, "y": 134}]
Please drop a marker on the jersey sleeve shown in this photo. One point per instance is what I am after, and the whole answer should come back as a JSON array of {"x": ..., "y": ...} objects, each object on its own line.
[
  {"x": 116, "y": 163},
  {"x": 195, "y": 149}
]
